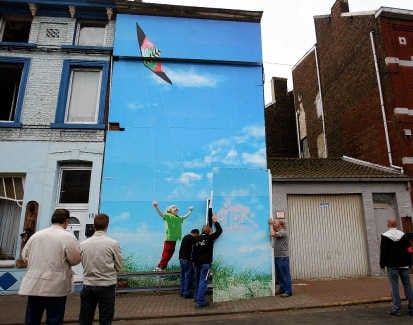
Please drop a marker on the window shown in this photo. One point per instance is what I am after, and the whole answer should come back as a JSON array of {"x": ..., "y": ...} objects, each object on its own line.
[
  {"x": 15, "y": 29},
  {"x": 11, "y": 197},
  {"x": 82, "y": 94},
  {"x": 83, "y": 98},
  {"x": 74, "y": 185},
  {"x": 91, "y": 33},
  {"x": 13, "y": 77}
]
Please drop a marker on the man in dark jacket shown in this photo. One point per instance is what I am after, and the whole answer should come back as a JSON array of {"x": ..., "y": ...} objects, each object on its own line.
[
  {"x": 185, "y": 260},
  {"x": 203, "y": 253},
  {"x": 395, "y": 251}
]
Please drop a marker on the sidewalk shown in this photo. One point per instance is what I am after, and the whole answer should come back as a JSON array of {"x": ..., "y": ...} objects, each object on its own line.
[{"x": 306, "y": 294}]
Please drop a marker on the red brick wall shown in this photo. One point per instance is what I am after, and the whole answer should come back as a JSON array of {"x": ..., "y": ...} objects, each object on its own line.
[
  {"x": 398, "y": 85},
  {"x": 280, "y": 125},
  {"x": 350, "y": 92},
  {"x": 306, "y": 87}
]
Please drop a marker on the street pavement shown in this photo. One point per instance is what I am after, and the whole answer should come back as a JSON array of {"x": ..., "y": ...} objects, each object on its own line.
[{"x": 152, "y": 307}]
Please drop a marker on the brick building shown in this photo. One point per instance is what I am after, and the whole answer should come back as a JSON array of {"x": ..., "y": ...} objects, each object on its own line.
[
  {"x": 353, "y": 89},
  {"x": 54, "y": 80},
  {"x": 280, "y": 122}
]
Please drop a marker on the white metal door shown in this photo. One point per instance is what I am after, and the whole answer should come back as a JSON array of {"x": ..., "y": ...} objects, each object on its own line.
[{"x": 327, "y": 236}]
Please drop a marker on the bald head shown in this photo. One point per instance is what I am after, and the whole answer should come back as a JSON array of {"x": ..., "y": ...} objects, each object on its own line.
[{"x": 392, "y": 223}]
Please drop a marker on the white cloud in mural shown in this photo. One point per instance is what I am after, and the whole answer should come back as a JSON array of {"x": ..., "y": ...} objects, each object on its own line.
[
  {"x": 137, "y": 107},
  {"x": 253, "y": 248},
  {"x": 223, "y": 151},
  {"x": 190, "y": 78},
  {"x": 188, "y": 177},
  {"x": 250, "y": 133},
  {"x": 257, "y": 158},
  {"x": 121, "y": 217}
]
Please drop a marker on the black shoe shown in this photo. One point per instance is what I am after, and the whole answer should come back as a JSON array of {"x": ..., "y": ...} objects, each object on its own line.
[
  {"x": 395, "y": 313},
  {"x": 285, "y": 295},
  {"x": 411, "y": 313},
  {"x": 202, "y": 306}
]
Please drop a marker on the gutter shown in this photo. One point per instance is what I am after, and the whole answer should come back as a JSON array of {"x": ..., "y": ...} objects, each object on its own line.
[
  {"x": 321, "y": 101},
  {"x": 383, "y": 112}
]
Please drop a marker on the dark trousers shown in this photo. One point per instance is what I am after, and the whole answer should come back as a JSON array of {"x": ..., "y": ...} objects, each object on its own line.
[
  {"x": 54, "y": 306},
  {"x": 202, "y": 274},
  {"x": 187, "y": 278},
  {"x": 168, "y": 251},
  {"x": 90, "y": 297},
  {"x": 282, "y": 271}
]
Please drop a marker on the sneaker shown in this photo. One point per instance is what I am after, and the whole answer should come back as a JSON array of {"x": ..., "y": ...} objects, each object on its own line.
[
  {"x": 202, "y": 306},
  {"x": 285, "y": 295},
  {"x": 395, "y": 313},
  {"x": 158, "y": 269}
]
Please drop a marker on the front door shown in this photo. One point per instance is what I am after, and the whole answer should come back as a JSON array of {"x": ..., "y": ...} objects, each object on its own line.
[{"x": 73, "y": 195}]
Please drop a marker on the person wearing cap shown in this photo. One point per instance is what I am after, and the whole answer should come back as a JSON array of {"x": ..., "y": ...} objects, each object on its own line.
[
  {"x": 173, "y": 228},
  {"x": 49, "y": 254},
  {"x": 185, "y": 260}
]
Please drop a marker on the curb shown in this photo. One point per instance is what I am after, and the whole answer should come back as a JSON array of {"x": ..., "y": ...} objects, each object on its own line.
[{"x": 259, "y": 310}]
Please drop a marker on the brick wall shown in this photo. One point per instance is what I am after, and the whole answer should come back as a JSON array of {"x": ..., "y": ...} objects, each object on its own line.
[
  {"x": 42, "y": 90},
  {"x": 305, "y": 97},
  {"x": 280, "y": 125}
]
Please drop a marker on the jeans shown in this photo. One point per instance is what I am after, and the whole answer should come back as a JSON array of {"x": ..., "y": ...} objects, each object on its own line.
[
  {"x": 282, "y": 271},
  {"x": 202, "y": 274},
  {"x": 187, "y": 276},
  {"x": 394, "y": 273},
  {"x": 90, "y": 297},
  {"x": 55, "y": 310}
]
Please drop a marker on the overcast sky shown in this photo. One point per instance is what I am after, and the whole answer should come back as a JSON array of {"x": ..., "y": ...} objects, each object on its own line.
[{"x": 287, "y": 27}]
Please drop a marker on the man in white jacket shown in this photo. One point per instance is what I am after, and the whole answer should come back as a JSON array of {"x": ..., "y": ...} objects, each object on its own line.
[
  {"x": 49, "y": 254},
  {"x": 101, "y": 260}
]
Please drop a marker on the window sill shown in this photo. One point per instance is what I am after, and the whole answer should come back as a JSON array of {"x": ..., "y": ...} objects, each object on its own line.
[
  {"x": 10, "y": 124},
  {"x": 18, "y": 44},
  {"x": 88, "y": 49},
  {"x": 77, "y": 126},
  {"x": 7, "y": 263}
]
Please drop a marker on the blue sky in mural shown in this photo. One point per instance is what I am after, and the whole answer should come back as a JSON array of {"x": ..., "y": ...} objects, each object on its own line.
[
  {"x": 191, "y": 38},
  {"x": 177, "y": 136}
]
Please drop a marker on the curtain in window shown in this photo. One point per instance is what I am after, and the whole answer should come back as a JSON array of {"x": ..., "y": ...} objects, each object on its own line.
[
  {"x": 83, "y": 99},
  {"x": 9, "y": 228},
  {"x": 92, "y": 36}
]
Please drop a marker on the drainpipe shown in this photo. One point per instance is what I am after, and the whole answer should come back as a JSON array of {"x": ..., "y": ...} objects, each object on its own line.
[
  {"x": 383, "y": 112},
  {"x": 297, "y": 127},
  {"x": 321, "y": 100}
]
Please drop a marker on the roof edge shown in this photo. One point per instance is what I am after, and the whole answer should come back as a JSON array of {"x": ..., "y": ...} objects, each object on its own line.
[
  {"x": 156, "y": 9},
  {"x": 392, "y": 169}
]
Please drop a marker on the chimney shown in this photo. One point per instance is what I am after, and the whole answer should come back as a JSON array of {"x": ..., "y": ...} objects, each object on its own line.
[
  {"x": 339, "y": 7},
  {"x": 278, "y": 88}
]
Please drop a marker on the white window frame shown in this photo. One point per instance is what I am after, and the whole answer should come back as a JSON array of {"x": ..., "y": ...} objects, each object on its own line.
[
  {"x": 69, "y": 95},
  {"x": 69, "y": 206},
  {"x": 90, "y": 24}
]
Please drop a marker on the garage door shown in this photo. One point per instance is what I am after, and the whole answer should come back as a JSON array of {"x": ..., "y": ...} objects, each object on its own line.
[{"x": 327, "y": 237}]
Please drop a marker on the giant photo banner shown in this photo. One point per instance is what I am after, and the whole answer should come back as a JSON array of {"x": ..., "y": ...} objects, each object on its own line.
[{"x": 188, "y": 95}]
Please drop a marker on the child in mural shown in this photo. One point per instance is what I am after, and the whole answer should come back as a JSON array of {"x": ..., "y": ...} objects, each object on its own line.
[{"x": 173, "y": 227}]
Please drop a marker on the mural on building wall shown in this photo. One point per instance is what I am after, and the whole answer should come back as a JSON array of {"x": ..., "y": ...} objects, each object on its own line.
[{"x": 189, "y": 129}]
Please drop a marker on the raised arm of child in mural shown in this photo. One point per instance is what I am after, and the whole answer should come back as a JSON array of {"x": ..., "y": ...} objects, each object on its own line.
[{"x": 173, "y": 233}]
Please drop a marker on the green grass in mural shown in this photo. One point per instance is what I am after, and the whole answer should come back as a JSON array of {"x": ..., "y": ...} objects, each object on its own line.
[
  {"x": 130, "y": 265},
  {"x": 230, "y": 284}
]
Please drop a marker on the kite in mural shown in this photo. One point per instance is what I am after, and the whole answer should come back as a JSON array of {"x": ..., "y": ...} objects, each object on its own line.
[{"x": 148, "y": 50}]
